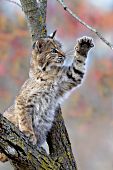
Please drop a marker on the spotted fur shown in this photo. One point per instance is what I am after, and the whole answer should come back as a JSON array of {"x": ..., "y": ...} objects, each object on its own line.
[{"x": 49, "y": 81}]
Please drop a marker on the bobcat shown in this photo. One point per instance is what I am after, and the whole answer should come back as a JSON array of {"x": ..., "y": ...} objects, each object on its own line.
[{"x": 49, "y": 81}]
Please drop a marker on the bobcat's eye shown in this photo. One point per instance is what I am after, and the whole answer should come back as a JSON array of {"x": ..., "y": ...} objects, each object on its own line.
[{"x": 54, "y": 50}]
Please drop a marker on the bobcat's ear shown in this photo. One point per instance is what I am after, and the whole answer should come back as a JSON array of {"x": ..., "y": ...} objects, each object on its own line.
[
  {"x": 33, "y": 46},
  {"x": 38, "y": 45},
  {"x": 53, "y": 34}
]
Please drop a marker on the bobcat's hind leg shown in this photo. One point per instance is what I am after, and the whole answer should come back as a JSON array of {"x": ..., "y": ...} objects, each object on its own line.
[{"x": 25, "y": 119}]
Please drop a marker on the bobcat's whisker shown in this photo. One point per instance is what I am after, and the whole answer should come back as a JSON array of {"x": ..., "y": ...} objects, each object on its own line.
[
  {"x": 69, "y": 55},
  {"x": 70, "y": 51}
]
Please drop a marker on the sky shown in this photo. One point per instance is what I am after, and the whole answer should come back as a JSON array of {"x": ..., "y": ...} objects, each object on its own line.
[{"x": 105, "y": 4}]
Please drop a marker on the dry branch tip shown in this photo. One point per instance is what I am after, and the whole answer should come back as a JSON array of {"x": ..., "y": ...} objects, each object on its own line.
[{"x": 85, "y": 24}]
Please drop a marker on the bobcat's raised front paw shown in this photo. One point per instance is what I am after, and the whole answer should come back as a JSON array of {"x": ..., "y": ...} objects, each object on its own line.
[{"x": 83, "y": 45}]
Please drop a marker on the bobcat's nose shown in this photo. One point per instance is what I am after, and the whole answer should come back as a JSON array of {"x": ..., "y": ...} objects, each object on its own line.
[{"x": 61, "y": 53}]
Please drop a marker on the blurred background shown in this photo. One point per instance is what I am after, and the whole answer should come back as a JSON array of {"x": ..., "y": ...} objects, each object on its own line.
[{"x": 88, "y": 112}]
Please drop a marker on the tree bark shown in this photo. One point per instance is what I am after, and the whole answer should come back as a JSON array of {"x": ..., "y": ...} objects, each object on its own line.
[
  {"x": 36, "y": 17},
  {"x": 22, "y": 155},
  {"x": 59, "y": 143},
  {"x": 13, "y": 143}
]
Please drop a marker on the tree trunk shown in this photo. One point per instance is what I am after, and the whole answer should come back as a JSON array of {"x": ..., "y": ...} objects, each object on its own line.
[
  {"x": 13, "y": 143},
  {"x": 36, "y": 17}
]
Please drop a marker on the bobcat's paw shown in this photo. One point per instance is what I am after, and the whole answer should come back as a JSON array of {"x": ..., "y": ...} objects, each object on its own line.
[
  {"x": 3, "y": 158},
  {"x": 31, "y": 136},
  {"x": 83, "y": 45},
  {"x": 33, "y": 139}
]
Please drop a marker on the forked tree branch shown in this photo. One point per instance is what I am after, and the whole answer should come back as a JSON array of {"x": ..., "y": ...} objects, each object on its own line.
[
  {"x": 86, "y": 25},
  {"x": 23, "y": 156},
  {"x": 20, "y": 152}
]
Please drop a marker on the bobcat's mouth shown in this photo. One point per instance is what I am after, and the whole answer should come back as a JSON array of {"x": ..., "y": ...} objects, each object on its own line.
[{"x": 60, "y": 59}]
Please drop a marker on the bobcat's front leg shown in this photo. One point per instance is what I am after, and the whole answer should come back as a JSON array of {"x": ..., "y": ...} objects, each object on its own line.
[
  {"x": 76, "y": 71},
  {"x": 25, "y": 116},
  {"x": 82, "y": 47}
]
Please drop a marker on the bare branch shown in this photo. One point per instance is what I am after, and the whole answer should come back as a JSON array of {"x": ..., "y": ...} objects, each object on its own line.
[
  {"x": 86, "y": 25},
  {"x": 16, "y": 3}
]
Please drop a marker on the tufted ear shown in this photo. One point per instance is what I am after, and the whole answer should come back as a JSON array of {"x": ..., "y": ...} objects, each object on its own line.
[
  {"x": 53, "y": 34},
  {"x": 33, "y": 46},
  {"x": 38, "y": 45}
]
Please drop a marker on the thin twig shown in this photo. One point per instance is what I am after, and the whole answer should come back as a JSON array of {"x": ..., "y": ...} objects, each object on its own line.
[
  {"x": 16, "y": 3},
  {"x": 86, "y": 25}
]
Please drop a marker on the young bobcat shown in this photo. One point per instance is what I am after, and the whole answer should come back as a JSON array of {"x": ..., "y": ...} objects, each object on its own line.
[{"x": 49, "y": 80}]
